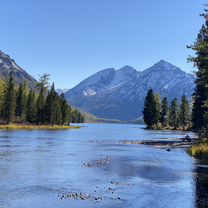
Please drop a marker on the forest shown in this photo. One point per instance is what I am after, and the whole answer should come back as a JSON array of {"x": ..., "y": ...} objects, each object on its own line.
[
  {"x": 42, "y": 105},
  {"x": 159, "y": 114}
]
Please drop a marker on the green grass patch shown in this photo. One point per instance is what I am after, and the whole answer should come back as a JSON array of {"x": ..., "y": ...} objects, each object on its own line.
[{"x": 36, "y": 127}]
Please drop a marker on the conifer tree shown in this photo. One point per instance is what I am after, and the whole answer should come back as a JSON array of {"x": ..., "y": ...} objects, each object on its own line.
[
  {"x": 65, "y": 110},
  {"x": 184, "y": 112},
  {"x": 21, "y": 102},
  {"x": 201, "y": 62},
  {"x": 164, "y": 112},
  {"x": 2, "y": 90},
  {"x": 173, "y": 114},
  {"x": 50, "y": 106},
  {"x": 42, "y": 87},
  {"x": 9, "y": 100},
  {"x": 158, "y": 108},
  {"x": 31, "y": 107},
  {"x": 149, "y": 112},
  {"x": 58, "y": 110}
]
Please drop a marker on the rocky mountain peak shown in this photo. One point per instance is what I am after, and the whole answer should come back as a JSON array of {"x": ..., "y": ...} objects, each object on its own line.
[
  {"x": 121, "y": 93},
  {"x": 8, "y": 64}
]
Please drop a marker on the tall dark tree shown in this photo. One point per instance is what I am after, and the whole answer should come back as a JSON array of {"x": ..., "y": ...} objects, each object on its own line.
[
  {"x": 42, "y": 87},
  {"x": 158, "y": 108},
  {"x": 184, "y": 112},
  {"x": 31, "y": 107},
  {"x": 21, "y": 102},
  {"x": 50, "y": 106},
  {"x": 164, "y": 112},
  {"x": 149, "y": 112},
  {"x": 174, "y": 114},
  {"x": 52, "y": 109},
  {"x": 201, "y": 62},
  {"x": 9, "y": 100},
  {"x": 65, "y": 110}
]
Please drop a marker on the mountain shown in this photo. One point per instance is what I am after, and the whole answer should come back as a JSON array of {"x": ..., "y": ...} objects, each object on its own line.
[
  {"x": 59, "y": 91},
  {"x": 119, "y": 94},
  {"x": 7, "y": 65}
]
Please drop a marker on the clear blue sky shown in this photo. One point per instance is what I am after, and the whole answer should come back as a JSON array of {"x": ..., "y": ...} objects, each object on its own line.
[{"x": 72, "y": 39}]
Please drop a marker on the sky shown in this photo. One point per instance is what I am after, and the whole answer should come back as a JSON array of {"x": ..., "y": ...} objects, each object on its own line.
[{"x": 73, "y": 39}]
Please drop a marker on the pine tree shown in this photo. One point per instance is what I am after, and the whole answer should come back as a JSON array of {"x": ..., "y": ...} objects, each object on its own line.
[
  {"x": 31, "y": 107},
  {"x": 21, "y": 102},
  {"x": 42, "y": 87},
  {"x": 49, "y": 109},
  {"x": 201, "y": 62},
  {"x": 65, "y": 110},
  {"x": 9, "y": 100},
  {"x": 173, "y": 114},
  {"x": 149, "y": 112},
  {"x": 164, "y": 112},
  {"x": 2, "y": 90},
  {"x": 52, "y": 110},
  {"x": 158, "y": 108},
  {"x": 58, "y": 111},
  {"x": 184, "y": 112}
]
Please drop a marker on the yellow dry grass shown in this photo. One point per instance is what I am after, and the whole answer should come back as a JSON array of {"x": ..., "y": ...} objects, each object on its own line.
[
  {"x": 199, "y": 151},
  {"x": 36, "y": 127}
]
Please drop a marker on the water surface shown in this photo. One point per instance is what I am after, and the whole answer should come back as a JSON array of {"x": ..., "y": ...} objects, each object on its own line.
[{"x": 37, "y": 167}]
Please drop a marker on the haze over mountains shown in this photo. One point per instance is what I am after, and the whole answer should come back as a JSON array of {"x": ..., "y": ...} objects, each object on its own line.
[{"x": 119, "y": 94}]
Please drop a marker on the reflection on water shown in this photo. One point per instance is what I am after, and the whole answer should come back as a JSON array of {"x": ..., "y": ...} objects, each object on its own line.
[
  {"x": 201, "y": 181},
  {"x": 35, "y": 166}
]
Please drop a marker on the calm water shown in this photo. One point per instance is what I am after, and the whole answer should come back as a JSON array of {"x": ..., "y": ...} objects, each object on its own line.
[{"x": 36, "y": 167}]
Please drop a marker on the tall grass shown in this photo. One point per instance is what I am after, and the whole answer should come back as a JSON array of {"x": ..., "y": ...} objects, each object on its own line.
[{"x": 199, "y": 151}]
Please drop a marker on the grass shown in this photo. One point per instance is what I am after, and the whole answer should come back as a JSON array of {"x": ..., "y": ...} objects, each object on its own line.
[
  {"x": 199, "y": 151},
  {"x": 36, "y": 127}
]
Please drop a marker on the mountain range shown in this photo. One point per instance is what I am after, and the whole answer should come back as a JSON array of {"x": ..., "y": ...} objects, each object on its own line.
[
  {"x": 8, "y": 65},
  {"x": 115, "y": 94},
  {"x": 119, "y": 94}
]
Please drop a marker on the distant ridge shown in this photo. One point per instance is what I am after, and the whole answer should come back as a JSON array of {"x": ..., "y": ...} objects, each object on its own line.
[
  {"x": 7, "y": 65},
  {"x": 119, "y": 94}
]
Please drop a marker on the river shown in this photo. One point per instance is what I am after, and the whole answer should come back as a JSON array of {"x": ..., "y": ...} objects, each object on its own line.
[{"x": 40, "y": 169}]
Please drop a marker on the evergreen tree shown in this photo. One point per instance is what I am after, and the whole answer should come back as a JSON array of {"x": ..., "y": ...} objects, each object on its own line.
[
  {"x": 2, "y": 91},
  {"x": 65, "y": 110},
  {"x": 149, "y": 112},
  {"x": 52, "y": 110},
  {"x": 42, "y": 87},
  {"x": 173, "y": 113},
  {"x": 31, "y": 107},
  {"x": 158, "y": 108},
  {"x": 184, "y": 112},
  {"x": 201, "y": 62},
  {"x": 164, "y": 112},
  {"x": 21, "y": 102},
  {"x": 50, "y": 106},
  {"x": 58, "y": 112},
  {"x": 9, "y": 100}
]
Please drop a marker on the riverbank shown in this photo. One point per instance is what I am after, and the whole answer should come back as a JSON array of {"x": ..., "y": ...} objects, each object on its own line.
[
  {"x": 165, "y": 143},
  {"x": 36, "y": 127}
]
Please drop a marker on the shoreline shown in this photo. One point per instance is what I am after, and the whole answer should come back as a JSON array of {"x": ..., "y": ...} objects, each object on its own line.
[
  {"x": 165, "y": 143},
  {"x": 35, "y": 127}
]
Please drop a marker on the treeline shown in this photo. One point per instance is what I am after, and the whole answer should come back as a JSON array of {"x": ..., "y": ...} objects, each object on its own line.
[
  {"x": 161, "y": 114},
  {"x": 42, "y": 105}
]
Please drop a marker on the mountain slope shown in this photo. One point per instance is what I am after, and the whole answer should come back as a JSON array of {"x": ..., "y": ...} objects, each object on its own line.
[
  {"x": 7, "y": 65},
  {"x": 120, "y": 94}
]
